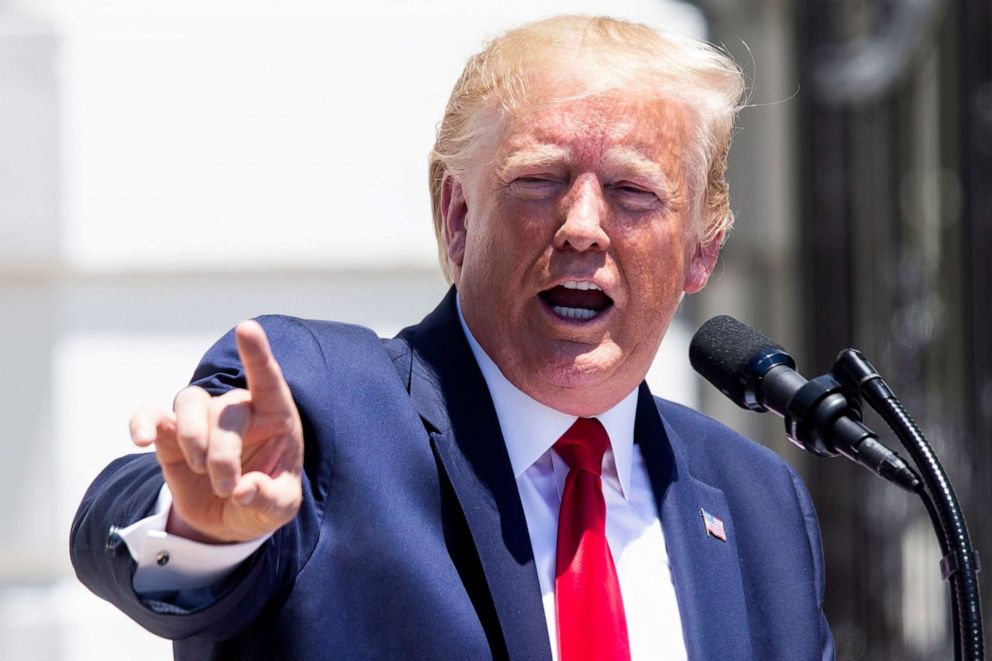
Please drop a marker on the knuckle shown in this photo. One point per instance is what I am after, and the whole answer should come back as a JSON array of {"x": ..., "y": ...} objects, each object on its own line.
[
  {"x": 230, "y": 415},
  {"x": 190, "y": 394},
  {"x": 232, "y": 396},
  {"x": 191, "y": 437},
  {"x": 223, "y": 461}
]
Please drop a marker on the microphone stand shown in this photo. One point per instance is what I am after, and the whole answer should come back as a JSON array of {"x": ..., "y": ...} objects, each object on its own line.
[{"x": 960, "y": 563}]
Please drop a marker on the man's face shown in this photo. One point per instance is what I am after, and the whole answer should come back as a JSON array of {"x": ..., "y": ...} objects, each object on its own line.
[{"x": 572, "y": 236}]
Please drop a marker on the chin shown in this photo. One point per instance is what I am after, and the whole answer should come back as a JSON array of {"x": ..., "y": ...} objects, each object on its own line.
[
  {"x": 582, "y": 393},
  {"x": 585, "y": 369}
]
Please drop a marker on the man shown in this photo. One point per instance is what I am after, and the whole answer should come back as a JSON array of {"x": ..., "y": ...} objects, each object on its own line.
[{"x": 496, "y": 481}]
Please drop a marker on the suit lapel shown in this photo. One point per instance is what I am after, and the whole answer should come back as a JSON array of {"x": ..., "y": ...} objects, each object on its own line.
[
  {"x": 450, "y": 394},
  {"x": 705, "y": 570}
]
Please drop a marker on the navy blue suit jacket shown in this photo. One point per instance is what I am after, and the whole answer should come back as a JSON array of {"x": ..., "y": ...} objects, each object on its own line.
[{"x": 411, "y": 541}]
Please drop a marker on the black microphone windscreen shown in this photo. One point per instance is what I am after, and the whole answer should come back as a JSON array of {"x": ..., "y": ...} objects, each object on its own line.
[{"x": 721, "y": 350}]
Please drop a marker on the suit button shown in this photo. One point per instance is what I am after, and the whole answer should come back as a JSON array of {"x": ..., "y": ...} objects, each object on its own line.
[
  {"x": 113, "y": 538},
  {"x": 162, "y": 558}
]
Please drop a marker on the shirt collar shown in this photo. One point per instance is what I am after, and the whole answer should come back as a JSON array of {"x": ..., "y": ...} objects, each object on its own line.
[{"x": 530, "y": 428}]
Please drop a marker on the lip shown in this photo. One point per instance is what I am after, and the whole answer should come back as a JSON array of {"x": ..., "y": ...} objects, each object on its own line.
[{"x": 606, "y": 289}]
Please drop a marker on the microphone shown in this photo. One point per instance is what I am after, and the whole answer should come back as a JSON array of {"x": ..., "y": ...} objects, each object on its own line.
[{"x": 757, "y": 373}]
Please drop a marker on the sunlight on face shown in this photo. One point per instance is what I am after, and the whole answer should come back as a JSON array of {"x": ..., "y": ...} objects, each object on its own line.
[{"x": 571, "y": 234}]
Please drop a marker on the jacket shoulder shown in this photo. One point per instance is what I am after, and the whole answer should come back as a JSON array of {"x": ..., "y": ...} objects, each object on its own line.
[
  {"x": 720, "y": 456},
  {"x": 710, "y": 440},
  {"x": 773, "y": 516},
  {"x": 307, "y": 350}
]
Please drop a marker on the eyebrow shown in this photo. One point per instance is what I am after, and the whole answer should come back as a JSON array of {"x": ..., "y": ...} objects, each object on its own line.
[
  {"x": 619, "y": 161},
  {"x": 630, "y": 160},
  {"x": 545, "y": 155}
]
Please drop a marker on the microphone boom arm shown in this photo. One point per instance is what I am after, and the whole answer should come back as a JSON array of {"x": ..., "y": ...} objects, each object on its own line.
[
  {"x": 823, "y": 417},
  {"x": 960, "y": 564}
]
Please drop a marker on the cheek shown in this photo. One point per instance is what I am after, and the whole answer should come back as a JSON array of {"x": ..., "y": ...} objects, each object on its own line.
[
  {"x": 516, "y": 237},
  {"x": 534, "y": 217},
  {"x": 663, "y": 245},
  {"x": 489, "y": 255},
  {"x": 657, "y": 273}
]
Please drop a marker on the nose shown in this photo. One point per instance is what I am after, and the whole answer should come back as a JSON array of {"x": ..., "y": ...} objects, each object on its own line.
[{"x": 583, "y": 211}]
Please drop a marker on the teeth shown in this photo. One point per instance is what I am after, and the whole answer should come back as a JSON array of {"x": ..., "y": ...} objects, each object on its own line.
[
  {"x": 583, "y": 284},
  {"x": 574, "y": 313}
]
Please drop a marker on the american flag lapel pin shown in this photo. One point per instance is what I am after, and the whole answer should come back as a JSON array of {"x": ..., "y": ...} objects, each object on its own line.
[{"x": 713, "y": 526}]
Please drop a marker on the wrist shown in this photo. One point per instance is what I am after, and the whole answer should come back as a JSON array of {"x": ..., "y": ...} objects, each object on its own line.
[{"x": 176, "y": 524}]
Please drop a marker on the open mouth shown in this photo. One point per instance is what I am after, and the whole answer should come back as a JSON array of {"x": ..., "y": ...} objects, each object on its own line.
[{"x": 576, "y": 300}]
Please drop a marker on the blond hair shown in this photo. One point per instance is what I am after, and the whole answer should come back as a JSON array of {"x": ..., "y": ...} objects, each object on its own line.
[{"x": 611, "y": 56}]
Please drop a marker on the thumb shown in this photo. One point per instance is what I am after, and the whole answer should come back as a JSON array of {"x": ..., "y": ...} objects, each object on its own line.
[{"x": 275, "y": 499}]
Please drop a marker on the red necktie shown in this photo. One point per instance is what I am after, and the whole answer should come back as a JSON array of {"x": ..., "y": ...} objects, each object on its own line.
[{"x": 591, "y": 621}]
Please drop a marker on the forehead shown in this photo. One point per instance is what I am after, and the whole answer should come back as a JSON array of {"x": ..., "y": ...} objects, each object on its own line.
[{"x": 616, "y": 126}]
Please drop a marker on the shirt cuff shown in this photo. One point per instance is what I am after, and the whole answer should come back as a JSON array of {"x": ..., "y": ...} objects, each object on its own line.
[{"x": 171, "y": 562}]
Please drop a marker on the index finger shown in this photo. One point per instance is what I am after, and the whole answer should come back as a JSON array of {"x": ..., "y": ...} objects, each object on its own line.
[{"x": 268, "y": 388}]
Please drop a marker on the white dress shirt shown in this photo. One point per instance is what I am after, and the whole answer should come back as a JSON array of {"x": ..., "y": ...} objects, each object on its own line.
[
  {"x": 530, "y": 429},
  {"x": 171, "y": 562},
  {"x": 633, "y": 530}
]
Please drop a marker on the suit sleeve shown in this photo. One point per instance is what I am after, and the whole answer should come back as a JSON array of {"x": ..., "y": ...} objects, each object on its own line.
[{"x": 126, "y": 491}]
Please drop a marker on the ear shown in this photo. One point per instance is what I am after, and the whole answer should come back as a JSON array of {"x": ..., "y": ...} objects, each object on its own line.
[
  {"x": 454, "y": 209},
  {"x": 702, "y": 263}
]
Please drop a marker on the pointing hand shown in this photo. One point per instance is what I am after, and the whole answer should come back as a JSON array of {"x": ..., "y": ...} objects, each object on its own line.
[{"x": 232, "y": 462}]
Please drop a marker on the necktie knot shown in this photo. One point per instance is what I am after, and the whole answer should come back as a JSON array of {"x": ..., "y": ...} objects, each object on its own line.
[{"x": 582, "y": 447}]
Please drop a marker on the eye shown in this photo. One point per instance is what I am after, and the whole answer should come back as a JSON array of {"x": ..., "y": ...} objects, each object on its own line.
[
  {"x": 536, "y": 186},
  {"x": 634, "y": 197}
]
